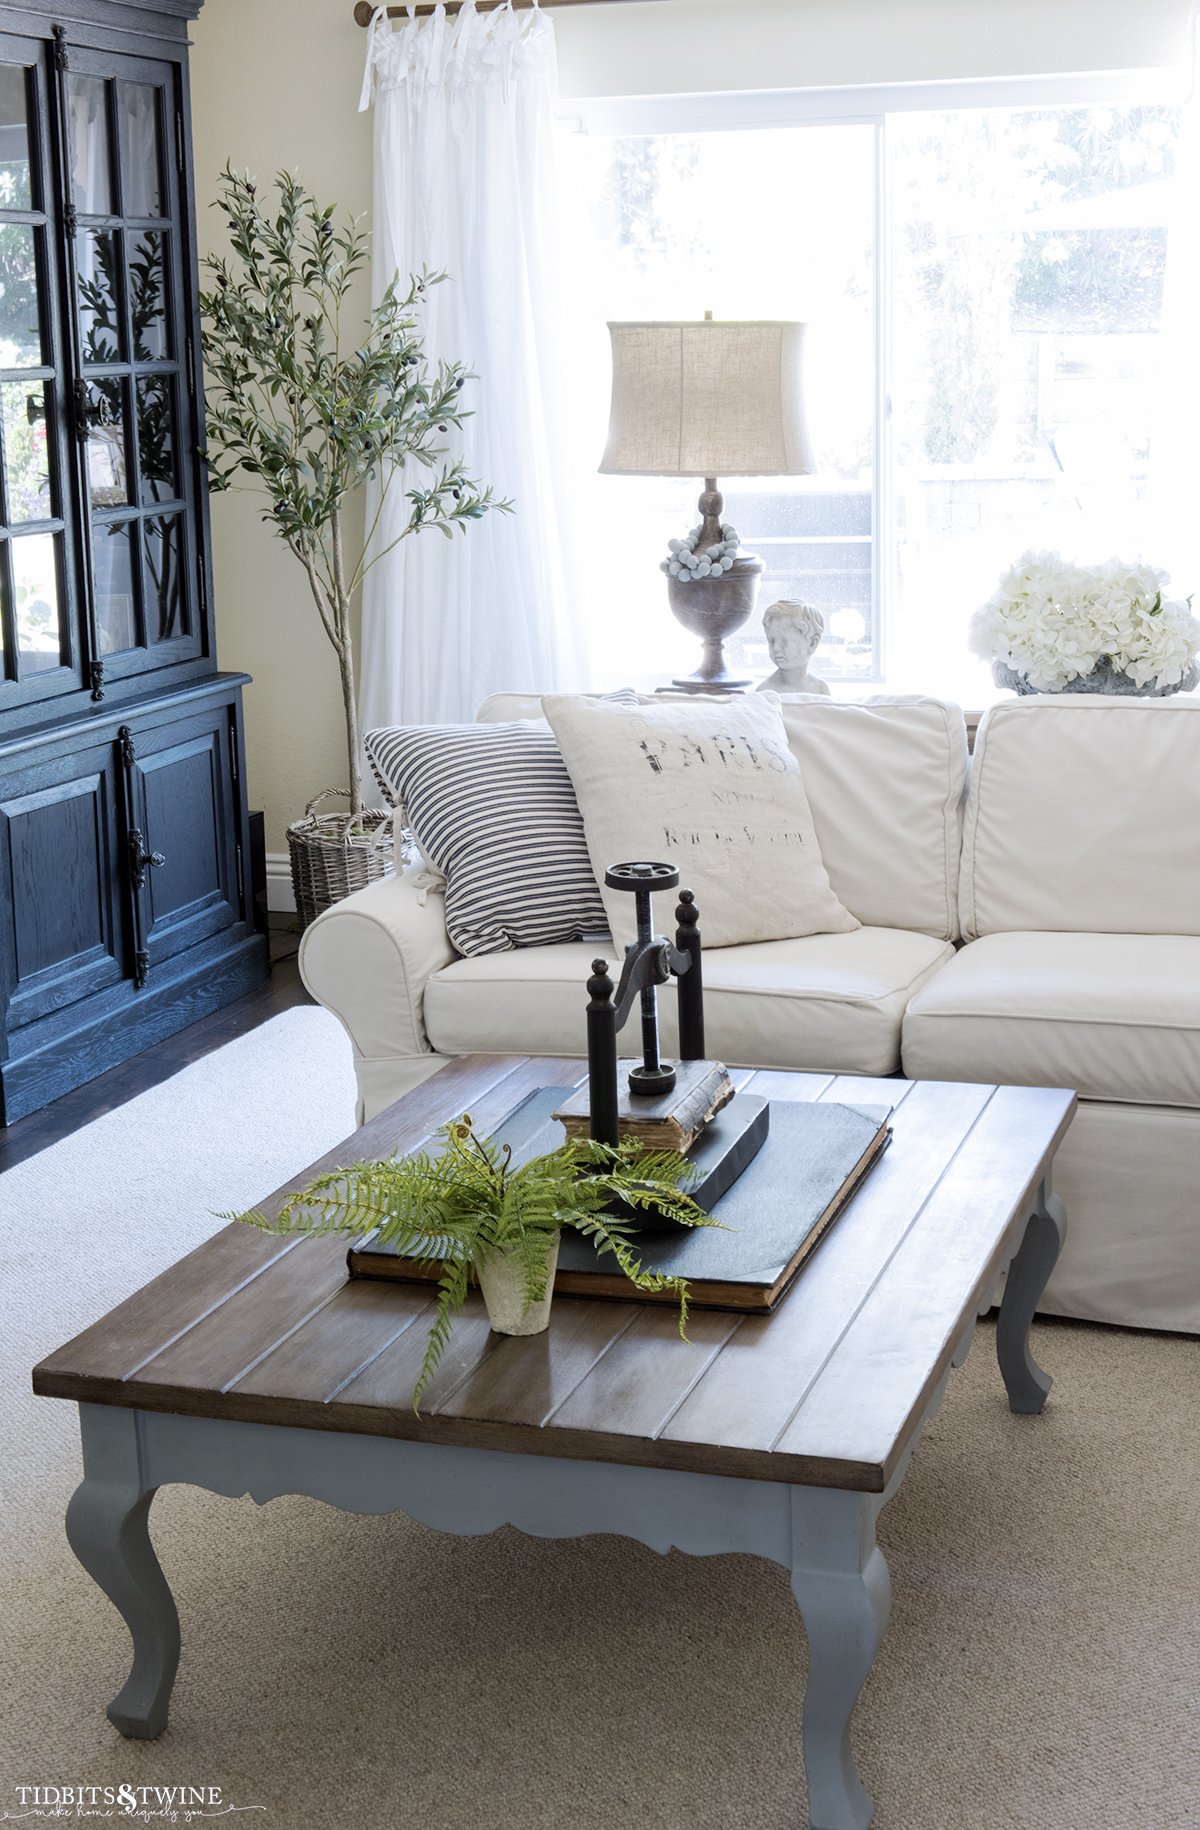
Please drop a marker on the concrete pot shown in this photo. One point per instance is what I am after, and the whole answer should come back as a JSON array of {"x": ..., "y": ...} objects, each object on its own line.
[
  {"x": 1102, "y": 679},
  {"x": 504, "y": 1293}
]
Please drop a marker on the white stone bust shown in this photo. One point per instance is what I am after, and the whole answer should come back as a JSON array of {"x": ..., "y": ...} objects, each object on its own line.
[{"x": 793, "y": 633}]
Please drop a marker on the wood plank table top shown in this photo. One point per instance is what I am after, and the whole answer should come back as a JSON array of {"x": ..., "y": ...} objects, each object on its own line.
[{"x": 826, "y": 1392}]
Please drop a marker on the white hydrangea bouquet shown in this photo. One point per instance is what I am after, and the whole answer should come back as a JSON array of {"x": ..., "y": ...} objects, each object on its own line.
[{"x": 1052, "y": 626}]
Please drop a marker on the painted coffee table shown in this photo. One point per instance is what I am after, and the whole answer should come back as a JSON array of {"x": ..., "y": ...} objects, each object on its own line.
[{"x": 255, "y": 1366}]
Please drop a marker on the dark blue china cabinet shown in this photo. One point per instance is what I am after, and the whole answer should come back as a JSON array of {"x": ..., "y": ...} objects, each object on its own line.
[{"x": 124, "y": 860}]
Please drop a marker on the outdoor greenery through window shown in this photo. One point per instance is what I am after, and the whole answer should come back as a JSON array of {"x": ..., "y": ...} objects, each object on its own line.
[{"x": 997, "y": 302}]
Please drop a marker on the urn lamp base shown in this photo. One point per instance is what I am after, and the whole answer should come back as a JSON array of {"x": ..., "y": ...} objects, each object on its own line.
[{"x": 712, "y": 608}]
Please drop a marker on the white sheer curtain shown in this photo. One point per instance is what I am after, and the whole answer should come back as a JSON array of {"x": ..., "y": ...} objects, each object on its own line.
[{"x": 465, "y": 182}]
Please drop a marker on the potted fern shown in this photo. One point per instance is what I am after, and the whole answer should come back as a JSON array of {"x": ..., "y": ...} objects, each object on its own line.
[
  {"x": 466, "y": 1208},
  {"x": 310, "y": 406}
]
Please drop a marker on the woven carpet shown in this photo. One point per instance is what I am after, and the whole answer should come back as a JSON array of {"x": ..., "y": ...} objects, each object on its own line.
[{"x": 1041, "y": 1670}]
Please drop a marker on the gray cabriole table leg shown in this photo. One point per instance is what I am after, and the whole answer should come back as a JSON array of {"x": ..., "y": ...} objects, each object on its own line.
[
  {"x": 843, "y": 1591},
  {"x": 108, "y": 1529},
  {"x": 1028, "y": 1275}
]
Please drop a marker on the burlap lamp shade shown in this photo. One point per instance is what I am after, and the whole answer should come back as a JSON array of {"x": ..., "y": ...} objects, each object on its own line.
[{"x": 708, "y": 399}]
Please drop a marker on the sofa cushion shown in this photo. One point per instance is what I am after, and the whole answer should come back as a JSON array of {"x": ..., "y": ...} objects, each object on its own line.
[
  {"x": 1116, "y": 1016},
  {"x": 828, "y": 1002},
  {"x": 885, "y": 779},
  {"x": 712, "y": 786},
  {"x": 1084, "y": 815}
]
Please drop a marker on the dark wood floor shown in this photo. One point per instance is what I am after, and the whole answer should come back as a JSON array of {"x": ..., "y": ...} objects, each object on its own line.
[{"x": 282, "y": 990}]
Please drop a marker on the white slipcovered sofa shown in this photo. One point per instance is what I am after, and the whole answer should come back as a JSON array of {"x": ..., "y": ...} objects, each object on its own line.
[{"x": 1035, "y": 920}]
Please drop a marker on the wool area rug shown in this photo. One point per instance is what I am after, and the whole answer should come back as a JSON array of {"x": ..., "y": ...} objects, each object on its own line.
[{"x": 1040, "y": 1672}]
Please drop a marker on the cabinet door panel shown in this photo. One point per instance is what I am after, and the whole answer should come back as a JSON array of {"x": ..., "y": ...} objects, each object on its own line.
[
  {"x": 186, "y": 801},
  {"x": 58, "y": 832},
  {"x": 42, "y": 653},
  {"x": 89, "y": 135},
  {"x": 139, "y": 114},
  {"x": 113, "y": 561},
  {"x": 21, "y": 332},
  {"x": 25, "y": 408},
  {"x": 131, "y": 287},
  {"x": 14, "y": 134}
]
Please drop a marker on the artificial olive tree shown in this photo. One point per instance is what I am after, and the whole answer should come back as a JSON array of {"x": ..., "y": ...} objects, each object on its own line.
[{"x": 312, "y": 409}]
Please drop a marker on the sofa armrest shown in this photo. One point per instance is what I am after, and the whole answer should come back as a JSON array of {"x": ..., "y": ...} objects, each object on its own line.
[{"x": 369, "y": 958}]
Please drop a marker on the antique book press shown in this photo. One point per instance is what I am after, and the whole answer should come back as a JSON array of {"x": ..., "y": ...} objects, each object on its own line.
[{"x": 665, "y": 1106}]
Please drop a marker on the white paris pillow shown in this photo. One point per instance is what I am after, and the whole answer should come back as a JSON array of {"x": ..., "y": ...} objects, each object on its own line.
[{"x": 712, "y": 787}]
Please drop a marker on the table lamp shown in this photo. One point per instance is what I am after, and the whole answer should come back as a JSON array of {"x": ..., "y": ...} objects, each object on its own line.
[{"x": 708, "y": 398}]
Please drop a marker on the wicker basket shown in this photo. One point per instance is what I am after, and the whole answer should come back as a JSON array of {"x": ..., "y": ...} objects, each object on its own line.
[{"x": 334, "y": 854}]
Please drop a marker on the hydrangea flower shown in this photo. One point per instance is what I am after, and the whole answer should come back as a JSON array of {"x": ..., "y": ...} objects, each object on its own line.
[{"x": 1055, "y": 622}]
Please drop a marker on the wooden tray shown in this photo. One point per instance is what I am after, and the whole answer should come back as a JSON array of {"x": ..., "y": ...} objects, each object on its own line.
[{"x": 777, "y": 1212}]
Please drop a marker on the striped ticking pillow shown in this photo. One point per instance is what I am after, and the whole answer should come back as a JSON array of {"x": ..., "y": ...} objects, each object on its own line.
[{"x": 493, "y": 810}]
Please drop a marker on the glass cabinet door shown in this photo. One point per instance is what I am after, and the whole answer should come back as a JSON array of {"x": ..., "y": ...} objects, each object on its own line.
[
  {"x": 136, "y": 418},
  {"x": 101, "y": 577},
  {"x": 39, "y": 648}
]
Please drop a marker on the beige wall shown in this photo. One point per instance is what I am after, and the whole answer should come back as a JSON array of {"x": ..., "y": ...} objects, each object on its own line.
[{"x": 276, "y": 83}]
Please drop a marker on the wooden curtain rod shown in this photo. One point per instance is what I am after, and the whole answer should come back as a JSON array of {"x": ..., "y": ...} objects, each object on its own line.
[{"x": 364, "y": 12}]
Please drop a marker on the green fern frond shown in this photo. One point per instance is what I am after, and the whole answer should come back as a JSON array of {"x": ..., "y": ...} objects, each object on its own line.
[
  {"x": 253, "y": 1216},
  {"x": 607, "y": 1238},
  {"x": 452, "y": 1294}
]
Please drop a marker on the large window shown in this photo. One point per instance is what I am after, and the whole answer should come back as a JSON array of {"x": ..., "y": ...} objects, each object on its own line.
[{"x": 991, "y": 296}]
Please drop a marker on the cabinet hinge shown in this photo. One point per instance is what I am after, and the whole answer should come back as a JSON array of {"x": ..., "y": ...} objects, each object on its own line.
[
  {"x": 191, "y": 371},
  {"x": 70, "y": 220},
  {"x": 141, "y": 968},
  {"x": 179, "y": 164},
  {"x": 125, "y": 745},
  {"x": 81, "y": 407},
  {"x": 96, "y": 679},
  {"x": 137, "y": 866},
  {"x": 202, "y": 577},
  {"x": 241, "y": 875},
  {"x": 59, "y": 35},
  {"x": 233, "y": 754}
]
